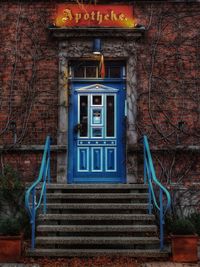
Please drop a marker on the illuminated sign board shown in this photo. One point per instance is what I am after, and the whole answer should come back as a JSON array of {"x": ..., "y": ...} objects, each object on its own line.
[{"x": 72, "y": 15}]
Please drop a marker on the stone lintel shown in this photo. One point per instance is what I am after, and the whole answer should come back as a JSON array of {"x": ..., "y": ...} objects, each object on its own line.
[{"x": 124, "y": 33}]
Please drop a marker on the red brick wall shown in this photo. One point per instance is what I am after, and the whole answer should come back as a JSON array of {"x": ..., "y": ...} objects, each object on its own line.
[
  {"x": 168, "y": 71},
  {"x": 28, "y": 83},
  {"x": 27, "y": 164},
  {"x": 28, "y": 73}
]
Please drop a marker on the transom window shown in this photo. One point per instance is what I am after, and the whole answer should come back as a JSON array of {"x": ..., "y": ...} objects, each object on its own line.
[{"x": 91, "y": 69}]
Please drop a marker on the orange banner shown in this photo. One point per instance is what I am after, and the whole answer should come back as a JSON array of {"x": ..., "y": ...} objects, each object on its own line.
[{"x": 71, "y": 15}]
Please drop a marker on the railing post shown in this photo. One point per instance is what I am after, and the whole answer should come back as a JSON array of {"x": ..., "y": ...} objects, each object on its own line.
[
  {"x": 145, "y": 170},
  {"x": 150, "y": 198},
  {"x": 49, "y": 157},
  {"x": 33, "y": 221},
  {"x": 161, "y": 221},
  {"x": 44, "y": 200}
]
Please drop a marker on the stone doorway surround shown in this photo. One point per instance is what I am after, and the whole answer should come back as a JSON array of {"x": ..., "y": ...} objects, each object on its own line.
[{"x": 117, "y": 44}]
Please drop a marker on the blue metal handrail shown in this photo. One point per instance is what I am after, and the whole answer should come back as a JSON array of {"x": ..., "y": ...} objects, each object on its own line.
[
  {"x": 150, "y": 178},
  {"x": 31, "y": 202}
]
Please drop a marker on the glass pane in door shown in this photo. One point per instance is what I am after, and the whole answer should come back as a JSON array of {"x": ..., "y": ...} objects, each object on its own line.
[
  {"x": 83, "y": 116},
  {"x": 110, "y": 116}
]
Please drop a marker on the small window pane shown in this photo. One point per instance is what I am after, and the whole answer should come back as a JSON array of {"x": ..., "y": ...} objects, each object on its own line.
[
  {"x": 79, "y": 72},
  {"x": 97, "y": 132},
  {"x": 84, "y": 116},
  {"x": 115, "y": 72},
  {"x": 91, "y": 72},
  {"x": 106, "y": 72},
  {"x": 110, "y": 117},
  {"x": 96, "y": 116},
  {"x": 96, "y": 100}
]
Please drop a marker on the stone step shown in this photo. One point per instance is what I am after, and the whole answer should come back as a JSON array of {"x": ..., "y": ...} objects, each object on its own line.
[
  {"x": 94, "y": 196},
  {"x": 96, "y": 186},
  {"x": 96, "y": 217},
  {"x": 97, "y": 206},
  {"x": 89, "y": 220},
  {"x": 97, "y": 197},
  {"x": 96, "y": 240},
  {"x": 96, "y": 228},
  {"x": 151, "y": 253}
]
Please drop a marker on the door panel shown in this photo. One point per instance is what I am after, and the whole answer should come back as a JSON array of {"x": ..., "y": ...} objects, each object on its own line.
[
  {"x": 96, "y": 126},
  {"x": 110, "y": 159},
  {"x": 97, "y": 159},
  {"x": 83, "y": 159}
]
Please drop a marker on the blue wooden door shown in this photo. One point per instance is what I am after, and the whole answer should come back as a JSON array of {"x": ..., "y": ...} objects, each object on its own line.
[{"x": 97, "y": 133}]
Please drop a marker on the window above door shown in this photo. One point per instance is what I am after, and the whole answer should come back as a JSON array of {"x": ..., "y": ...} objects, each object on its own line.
[{"x": 91, "y": 69}]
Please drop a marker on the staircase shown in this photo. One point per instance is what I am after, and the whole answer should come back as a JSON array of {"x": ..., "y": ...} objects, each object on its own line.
[{"x": 96, "y": 219}]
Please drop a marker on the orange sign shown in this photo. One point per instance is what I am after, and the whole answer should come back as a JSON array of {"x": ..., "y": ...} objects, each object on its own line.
[{"x": 71, "y": 15}]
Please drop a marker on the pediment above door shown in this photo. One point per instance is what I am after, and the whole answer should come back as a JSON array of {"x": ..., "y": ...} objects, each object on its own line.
[{"x": 97, "y": 88}]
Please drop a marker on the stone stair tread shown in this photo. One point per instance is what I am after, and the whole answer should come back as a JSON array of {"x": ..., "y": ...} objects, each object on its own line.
[
  {"x": 89, "y": 220},
  {"x": 138, "y": 217},
  {"x": 96, "y": 240},
  {"x": 96, "y": 186},
  {"x": 97, "y": 195},
  {"x": 97, "y": 228},
  {"x": 151, "y": 253},
  {"x": 97, "y": 206}
]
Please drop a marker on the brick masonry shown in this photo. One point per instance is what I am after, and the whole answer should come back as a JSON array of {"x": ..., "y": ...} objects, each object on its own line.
[{"x": 162, "y": 88}]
